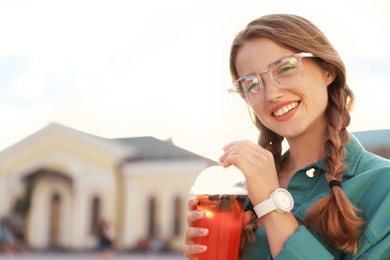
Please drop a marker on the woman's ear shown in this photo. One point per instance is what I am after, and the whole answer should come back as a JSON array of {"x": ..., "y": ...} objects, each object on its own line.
[{"x": 330, "y": 73}]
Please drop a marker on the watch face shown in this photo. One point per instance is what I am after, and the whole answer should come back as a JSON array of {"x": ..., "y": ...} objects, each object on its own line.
[{"x": 284, "y": 200}]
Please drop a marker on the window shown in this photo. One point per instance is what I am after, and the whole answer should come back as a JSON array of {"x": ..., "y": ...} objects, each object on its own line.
[
  {"x": 95, "y": 215},
  {"x": 177, "y": 216},
  {"x": 152, "y": 232}
]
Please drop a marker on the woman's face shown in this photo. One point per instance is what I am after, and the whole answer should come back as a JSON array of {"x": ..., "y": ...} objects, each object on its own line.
[{"x": 288, "y": 112}]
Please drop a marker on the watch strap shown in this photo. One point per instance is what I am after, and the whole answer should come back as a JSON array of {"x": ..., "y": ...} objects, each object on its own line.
[
  {"x": 265, "y": 207},
  {"x": 272, "y": 204}
]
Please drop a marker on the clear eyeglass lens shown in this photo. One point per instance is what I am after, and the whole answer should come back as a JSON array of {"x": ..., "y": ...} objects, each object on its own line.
[
  {"x": 285, "y": 73},
  {"x": 252, "y": 88},
  {"x": 247, "y": 90}
]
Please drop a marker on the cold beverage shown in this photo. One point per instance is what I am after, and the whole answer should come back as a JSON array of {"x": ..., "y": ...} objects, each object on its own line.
[
  {"x": 224, "y": 219},
  {"x": 222, "y": 194}
]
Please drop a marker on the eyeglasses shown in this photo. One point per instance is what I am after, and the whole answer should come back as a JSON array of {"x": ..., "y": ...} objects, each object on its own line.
[{"x": 284, "y": 73}]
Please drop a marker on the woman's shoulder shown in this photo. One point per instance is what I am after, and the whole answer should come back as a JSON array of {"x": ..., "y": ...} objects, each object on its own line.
[
  {"x": 369, "y": 191},
  {"x": 362, "y": 162},
  {"x": 370, "y": 162},
  {"x": 368, "y": 187},
  {"x": 367, "y": 176},
  {"x": 371, "y": 173}
]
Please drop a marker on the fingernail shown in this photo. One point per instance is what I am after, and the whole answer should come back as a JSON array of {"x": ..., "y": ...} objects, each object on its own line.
[
  {"x": 203, "y": 231},
  {"x": 200, "y": 213},
  {"x": 203, "y": 248}
]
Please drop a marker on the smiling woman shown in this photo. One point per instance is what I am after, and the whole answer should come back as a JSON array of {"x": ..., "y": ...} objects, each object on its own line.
[{"x": 294, "y": 84}]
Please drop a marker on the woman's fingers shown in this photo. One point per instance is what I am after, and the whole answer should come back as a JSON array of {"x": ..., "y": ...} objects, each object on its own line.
[
  {"x": 195, "y": 215},
  {"x": 240, "y": 153},
  {"x": 193, "y": 232},
  {"x": 191, "y": 251},
  {"x": 233, "y": 148},
  {"x": 192, "y": 203}
]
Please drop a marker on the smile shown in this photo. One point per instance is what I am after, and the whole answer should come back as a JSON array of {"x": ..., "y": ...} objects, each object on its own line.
[{"x": 284, "y": 110}]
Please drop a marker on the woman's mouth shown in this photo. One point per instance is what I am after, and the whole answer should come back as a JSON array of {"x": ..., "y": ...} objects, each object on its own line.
[{"x": 284, "y": 110}]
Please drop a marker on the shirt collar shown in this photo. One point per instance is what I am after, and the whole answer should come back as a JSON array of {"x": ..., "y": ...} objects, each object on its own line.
[{"x": 354, "y": 151}]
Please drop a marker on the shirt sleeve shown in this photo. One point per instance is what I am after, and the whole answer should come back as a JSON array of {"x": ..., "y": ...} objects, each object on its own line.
[{"x": 303, "y": 245}]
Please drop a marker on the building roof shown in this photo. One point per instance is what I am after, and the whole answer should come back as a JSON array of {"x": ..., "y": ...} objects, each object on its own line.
[
  {"x": 374, "y": 138},
  {"x": 150, "y": 148},
  {"x": 128, "y": 149}
]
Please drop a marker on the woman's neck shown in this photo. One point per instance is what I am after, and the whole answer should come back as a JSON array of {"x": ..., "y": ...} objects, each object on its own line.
[{"x": 304, "y": 150}]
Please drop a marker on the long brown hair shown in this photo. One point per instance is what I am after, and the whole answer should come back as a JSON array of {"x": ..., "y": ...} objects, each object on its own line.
[{"x": 334, "y": 216}]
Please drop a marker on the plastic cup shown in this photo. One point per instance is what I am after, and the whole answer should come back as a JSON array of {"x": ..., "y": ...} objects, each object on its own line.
[{"x": 222, "y": 194}]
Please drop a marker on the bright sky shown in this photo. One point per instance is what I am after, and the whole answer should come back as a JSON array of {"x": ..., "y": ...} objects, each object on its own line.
[{"x": 160, "y": 68}]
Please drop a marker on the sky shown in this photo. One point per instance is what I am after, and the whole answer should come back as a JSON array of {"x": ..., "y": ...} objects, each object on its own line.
[{"x": 160, "y": 68}]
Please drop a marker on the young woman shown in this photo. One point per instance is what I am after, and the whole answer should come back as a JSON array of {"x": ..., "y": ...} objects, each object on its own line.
[{"x": 294, "y": 84}]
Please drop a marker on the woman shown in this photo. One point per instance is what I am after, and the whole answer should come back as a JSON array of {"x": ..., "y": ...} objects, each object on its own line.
[{"x": 294, "y": 84}]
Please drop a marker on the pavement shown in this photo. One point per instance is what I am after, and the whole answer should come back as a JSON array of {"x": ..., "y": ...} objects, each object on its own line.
[{"x": 91, "y": 256}]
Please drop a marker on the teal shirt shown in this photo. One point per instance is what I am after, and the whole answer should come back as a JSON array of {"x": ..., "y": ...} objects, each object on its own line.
[{"x": 366, "y": 182}]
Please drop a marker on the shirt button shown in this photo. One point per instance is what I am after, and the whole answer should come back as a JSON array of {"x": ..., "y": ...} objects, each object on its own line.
[{"x": 311, "y": 173}]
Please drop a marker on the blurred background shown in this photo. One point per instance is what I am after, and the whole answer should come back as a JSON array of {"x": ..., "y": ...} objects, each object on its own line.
[{"x": 110, "y": 109}]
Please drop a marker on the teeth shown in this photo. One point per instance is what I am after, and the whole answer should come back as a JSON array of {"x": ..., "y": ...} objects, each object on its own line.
[{"x": 285, "y": 109}]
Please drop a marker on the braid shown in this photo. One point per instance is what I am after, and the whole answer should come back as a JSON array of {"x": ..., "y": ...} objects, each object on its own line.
[
  {"x": 337, "y": 134},
  {"x": 334, "y": 216}
]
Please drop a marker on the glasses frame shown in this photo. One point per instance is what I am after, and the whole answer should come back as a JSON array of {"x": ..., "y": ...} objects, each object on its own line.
[{"x": 233, "y": 89}]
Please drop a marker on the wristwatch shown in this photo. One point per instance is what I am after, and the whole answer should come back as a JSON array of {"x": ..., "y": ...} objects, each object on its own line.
[{"x": 280, "y": 201}]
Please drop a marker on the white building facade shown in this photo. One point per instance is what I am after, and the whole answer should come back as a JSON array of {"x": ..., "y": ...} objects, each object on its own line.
[{"x": 62, "y": 182}]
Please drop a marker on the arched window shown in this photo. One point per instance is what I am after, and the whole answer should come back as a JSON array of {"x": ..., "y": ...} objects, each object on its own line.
[
  {"x": 95, "y": 215},
  {"x": 177, "y": 216},
  {"x": 152, "y": 232}
]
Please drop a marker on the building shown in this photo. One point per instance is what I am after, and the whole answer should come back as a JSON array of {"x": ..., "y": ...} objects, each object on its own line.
[{"x": 62, "y": 182}]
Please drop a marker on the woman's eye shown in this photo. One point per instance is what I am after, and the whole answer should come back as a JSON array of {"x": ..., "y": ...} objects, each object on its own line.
[
  {"x": 253, "y": 85},
  {"x": 287, "y": 67},
  {"x": 286, "y": 70}
]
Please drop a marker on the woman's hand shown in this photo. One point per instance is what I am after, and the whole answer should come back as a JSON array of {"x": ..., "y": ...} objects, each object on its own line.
[
  {"x": 190, "y": 249},
  {"x": 258, "y": 166}
]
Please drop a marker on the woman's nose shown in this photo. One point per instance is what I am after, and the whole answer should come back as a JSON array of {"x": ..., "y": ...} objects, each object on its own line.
[{"x": 271, "y": 91}]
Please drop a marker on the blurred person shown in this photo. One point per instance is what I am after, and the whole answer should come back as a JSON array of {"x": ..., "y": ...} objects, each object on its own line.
[
  {"x": 3, "y": 235},
  {"x": 7, "y": 237},
  {"x": 105, "y": 235},
  {"x": 17, "y": 229},
  {"x": 293, "y": 82}
]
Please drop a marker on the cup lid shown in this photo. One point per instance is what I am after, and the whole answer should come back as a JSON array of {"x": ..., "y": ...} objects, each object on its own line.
[{"x": 220, "y": 180}]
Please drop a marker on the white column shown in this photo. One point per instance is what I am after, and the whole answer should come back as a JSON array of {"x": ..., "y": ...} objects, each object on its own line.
[
  {"x": 4, "y": 199},
  {"x": 132, "y": 213},
  {"x": 78, "y": 220}
]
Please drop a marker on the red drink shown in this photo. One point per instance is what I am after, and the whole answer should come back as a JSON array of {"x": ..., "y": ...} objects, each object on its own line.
[{"x": 224, "y": 219}]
